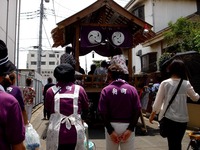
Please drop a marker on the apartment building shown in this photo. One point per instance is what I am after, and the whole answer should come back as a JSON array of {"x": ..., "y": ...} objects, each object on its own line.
[
  {"x": 158, "y": 13},
  {"x": 49, "y": 60}
]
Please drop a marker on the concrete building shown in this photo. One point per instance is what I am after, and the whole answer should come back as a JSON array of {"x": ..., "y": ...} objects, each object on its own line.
[
  {"x": 8, "y": 28},
  {"x": 158, "y": 13},
  {"x": 49, "y": 60}
]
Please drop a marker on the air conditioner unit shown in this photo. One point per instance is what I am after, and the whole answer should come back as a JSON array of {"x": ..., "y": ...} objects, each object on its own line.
[{"x": 139, "y": 53}]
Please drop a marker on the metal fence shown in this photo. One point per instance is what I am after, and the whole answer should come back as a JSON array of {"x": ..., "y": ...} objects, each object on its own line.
[{"x": 37, "y": 85}]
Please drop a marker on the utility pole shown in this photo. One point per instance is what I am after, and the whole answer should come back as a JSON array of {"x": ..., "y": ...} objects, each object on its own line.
[{"x": 40, "y": 38}]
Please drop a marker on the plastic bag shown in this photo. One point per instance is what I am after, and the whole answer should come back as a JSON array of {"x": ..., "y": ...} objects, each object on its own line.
[
  {"x": 91, "y": 145},
  {"x": 32, "y": 139},
  {"x": 88, "y": 145}
]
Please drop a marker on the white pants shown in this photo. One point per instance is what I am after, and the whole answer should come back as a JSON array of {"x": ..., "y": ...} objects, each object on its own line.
[
  {"x": 119, "y": 129},
  {"x": 28, "y": 108}
]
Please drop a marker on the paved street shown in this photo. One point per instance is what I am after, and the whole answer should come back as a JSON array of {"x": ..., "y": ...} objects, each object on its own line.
[{"x": 151, "y": 141}]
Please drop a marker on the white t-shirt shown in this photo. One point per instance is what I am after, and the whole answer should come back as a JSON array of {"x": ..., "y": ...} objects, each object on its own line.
[{"x": 178, "y": 109}]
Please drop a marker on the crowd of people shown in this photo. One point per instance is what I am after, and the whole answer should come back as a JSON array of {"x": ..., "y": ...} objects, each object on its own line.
[
  {"x": 66, "y": 105},
  {"x": 12, "y": 129}
]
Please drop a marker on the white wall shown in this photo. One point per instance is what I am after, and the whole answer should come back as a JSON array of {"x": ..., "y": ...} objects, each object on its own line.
[
  {"x": 3, "y": 14},
  {"x": 9, "y": 36},
  {"x": 87, "y": 60},
  {"x": 159, "y": 13},
  {"x": 170, "y": 10},
  {"x": 148, "y": 10}
]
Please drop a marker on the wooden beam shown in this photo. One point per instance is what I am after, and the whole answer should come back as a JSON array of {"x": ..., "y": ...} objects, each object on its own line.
[
  {"x": 104, "y": 25},
  {"x": 130, "y": 62},
  {"x": 97, "y": 5},
  {"x": 77, "y": 46}
]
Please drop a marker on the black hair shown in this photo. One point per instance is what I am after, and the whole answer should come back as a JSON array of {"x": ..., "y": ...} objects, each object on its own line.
[
  {"x": 68, "y": 49},
  {"x": 49, "y": 80},
  {"x": 28, "y": 81},
  {"x": 177, "y": 67},
  {"x": 93, "y": 67},
  {"x": 115, "y": 71},
  {"x": 64, "y": 73},
  {"x": 104, "y": 64},
  {"x": 9, "y": 80}
]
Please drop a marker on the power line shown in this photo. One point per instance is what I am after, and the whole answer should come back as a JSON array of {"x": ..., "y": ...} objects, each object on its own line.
[
  {"x": 65, "y": 7},
  {"x": 54, "y": 10},
  {"x": 47, "y": 36}
]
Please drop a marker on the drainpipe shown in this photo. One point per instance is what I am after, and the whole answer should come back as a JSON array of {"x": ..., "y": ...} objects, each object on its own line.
[
  {"x": 7, "y": 22},
  {"x": 18, "y": 36}
]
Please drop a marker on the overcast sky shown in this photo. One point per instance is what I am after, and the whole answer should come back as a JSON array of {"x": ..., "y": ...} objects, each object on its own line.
[{"x": 55, "y": 11}]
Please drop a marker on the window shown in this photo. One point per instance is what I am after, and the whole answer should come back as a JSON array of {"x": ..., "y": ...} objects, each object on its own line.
[
  {"x": 139, "y": 12},
  {"x": 148, "y": 62},
  {"x": 43, "y": 63},
  {"x": 32, "y": 55},
  {"x": 51, "y": 55},
  {"x": 51, "y": 63},
  {"x": 33, "y": 63}
]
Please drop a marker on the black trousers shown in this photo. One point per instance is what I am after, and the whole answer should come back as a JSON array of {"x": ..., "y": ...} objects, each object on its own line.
[
  {"x": 45, "y": 112},
  {"x": 66, "y": 147},
  {"x": 176, "y": 131}
]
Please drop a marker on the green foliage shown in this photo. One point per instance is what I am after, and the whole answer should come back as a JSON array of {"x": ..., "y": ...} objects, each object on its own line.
[
  {"x": 197, "y": 41},
  {"x": 163, "y": 58},
  {"x": 184, "y": 35},
  {"x": 97, "y": 62}
]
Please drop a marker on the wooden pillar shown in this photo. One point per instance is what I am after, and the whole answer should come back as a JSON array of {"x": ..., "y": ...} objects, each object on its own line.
[
  {"x": 77, "y": 46},
  {"x": 130, "y": 62}
]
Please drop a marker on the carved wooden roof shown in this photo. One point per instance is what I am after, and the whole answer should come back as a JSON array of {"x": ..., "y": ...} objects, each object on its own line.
[{"x": 102, "y": 13}]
